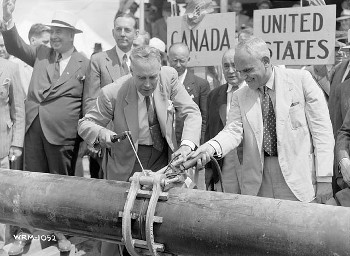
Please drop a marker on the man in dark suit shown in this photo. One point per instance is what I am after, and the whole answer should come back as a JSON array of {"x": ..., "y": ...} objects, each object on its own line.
[
  {"x": 53, "y": 104},
  {"x": 143, "y": 104},
  {"x": 105, "y": 68},
  {"x": 338, "y": 105},
  {"x": 218, "y": 106},
  {"x": 197, "y": 88}
]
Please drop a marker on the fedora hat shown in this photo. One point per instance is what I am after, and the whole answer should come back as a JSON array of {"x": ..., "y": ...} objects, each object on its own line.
[
  {"x": 64, "y": 19},
  {"x": 344, "y": 15}
]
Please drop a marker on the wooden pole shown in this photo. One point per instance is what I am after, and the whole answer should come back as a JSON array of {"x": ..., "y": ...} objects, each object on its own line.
[
  {"x": 142, "y": 16},
  {"x": 194, "y": 222}
]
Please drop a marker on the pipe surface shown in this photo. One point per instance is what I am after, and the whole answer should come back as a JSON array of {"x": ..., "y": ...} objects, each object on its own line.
[{"x": 194, "y": 222}]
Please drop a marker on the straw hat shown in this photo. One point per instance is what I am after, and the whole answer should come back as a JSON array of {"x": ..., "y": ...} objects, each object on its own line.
[
  {"x": 64, "y": 19},
  {"x": 345, "y": 14}
]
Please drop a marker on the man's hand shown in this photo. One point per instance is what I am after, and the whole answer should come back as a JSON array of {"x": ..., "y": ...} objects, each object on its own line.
[
  {"x": 88, "y": 150},
  {"x": 181, "y": 154},
  {"x": 8, "y": 6},
  {"x": 323, "y": 192},
  {"x": 345, "y": 170},
  {"x": 207, "y": 151},
  {"x": 104, "y": 138},
  {"x": 14, "y": 153}
]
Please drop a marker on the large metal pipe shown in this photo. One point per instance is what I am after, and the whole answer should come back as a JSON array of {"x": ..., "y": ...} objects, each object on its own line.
[{"x": 194, "y": 222}]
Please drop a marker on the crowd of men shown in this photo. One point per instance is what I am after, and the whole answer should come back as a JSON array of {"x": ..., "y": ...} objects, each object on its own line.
[{"x": 271, "y": 128}]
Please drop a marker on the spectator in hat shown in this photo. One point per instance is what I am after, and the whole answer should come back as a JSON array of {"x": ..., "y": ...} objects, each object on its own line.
[
  {"x": 344, "y": 21},
  {"x": 54, "y": 101},
  {"x": 97, "y": 48},
  {"x": 159, "y": 29},
  {"x": 160, "y": 45}
]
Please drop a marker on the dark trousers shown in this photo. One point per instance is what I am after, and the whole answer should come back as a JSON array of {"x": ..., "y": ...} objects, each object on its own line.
[
  {"x": 151, "y": 159},
  {"x": 41, "y": 156}
]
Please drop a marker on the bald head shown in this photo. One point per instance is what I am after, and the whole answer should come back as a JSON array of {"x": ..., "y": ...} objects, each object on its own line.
[
  {"x": 178, "y": 57},
  {"x": 229, "y": 68}
]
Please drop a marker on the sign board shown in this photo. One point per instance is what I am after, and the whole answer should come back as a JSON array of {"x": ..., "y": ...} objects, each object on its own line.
[
  {"x": 207, "y": 41},
  {"x": 298, "y": 36}
]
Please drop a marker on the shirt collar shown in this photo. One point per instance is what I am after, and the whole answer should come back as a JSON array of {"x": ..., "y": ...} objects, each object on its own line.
[
  {"x": 182, "y": 77},
  {"x": 66, "y": 54},
  {"x": 270, "y": 83},
  {"x": 120, "y": 53},
  {"x": 231, "y": 86}
]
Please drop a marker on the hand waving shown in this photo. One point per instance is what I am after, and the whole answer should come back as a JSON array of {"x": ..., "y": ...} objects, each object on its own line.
[{"x": 8, "y": 6}]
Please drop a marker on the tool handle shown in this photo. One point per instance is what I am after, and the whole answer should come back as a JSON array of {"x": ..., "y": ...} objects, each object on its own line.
[
  {"x": 119, "y": 137},
  {"x": 190, "y": 163}
]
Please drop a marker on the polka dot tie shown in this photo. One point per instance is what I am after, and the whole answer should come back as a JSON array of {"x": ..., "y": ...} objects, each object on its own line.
[
  {"x": 154, "y": 127},
  {"x": 269, "y": 121}
]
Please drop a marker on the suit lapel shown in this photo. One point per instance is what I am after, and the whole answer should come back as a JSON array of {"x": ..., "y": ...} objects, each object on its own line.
[
  {"x": 161, "y": 103},
  {"x": 284, "y": 92},
  {"x": 50, "y": 69},
  {"x": 189, "y": 82},
  {"x": 252, "y": 109},
  {"x": 113, "y": 64},
  {"x": 73, "y": 66},
  {"x": 222, "y": 103},
  {"x": 131, "y": 111}
]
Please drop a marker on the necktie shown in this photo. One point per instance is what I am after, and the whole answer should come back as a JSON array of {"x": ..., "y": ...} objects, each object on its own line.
[
  {"x": 125, "y": 65},
  {"x": 154, "y": 127},
  {"x": 56, "y": 74},
  {"x": 269, "y": 121}
]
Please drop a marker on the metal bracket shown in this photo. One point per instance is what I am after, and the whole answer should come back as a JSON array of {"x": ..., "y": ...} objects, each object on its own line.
[{"x": 138, "y": 181}]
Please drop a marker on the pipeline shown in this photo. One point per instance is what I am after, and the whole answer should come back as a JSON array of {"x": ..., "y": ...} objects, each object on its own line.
[{"x": 193, "y": 222}]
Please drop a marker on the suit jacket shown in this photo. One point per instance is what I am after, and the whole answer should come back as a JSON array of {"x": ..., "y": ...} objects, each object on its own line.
[
  {"x": 12, "y": 119},
  {"x": 104, "y": 68},
  {"x": 159, "y": 30},
  {"x": 198, "y": 88},
  {"x": 338, "y": 103},
  {"x": 216, "y": 121},
  {"x": 118, "y": 102},
  {"x": 304, "y": 133},
  {"x": 59, "y": 104}
]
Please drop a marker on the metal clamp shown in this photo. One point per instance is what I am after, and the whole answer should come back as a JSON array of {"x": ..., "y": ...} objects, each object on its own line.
[{"x": 138, "y": 180}]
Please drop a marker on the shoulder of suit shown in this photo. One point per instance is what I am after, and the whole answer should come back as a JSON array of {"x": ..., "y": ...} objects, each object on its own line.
[
  {"x": 167, "y": 71},
  {"x": 216, "y": 90},
  {"x": 8, "y": 63},
  {"x": 117, "y": 85},
  {"x": 200, "y": 80},
  {"x": 100, "y": 56}
]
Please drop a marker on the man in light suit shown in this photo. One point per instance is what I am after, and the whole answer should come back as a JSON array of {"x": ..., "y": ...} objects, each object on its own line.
[
  {"x": 53, "y": 105},
  {"x": 105, "y": 68},
  {"x": 218, "y": 106},
  {"x": 12, "y": 121},
  {"x": 127, "y": 103},
  {"x": 198, "y": 88},
  {"x": 282, "y": 119}
]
